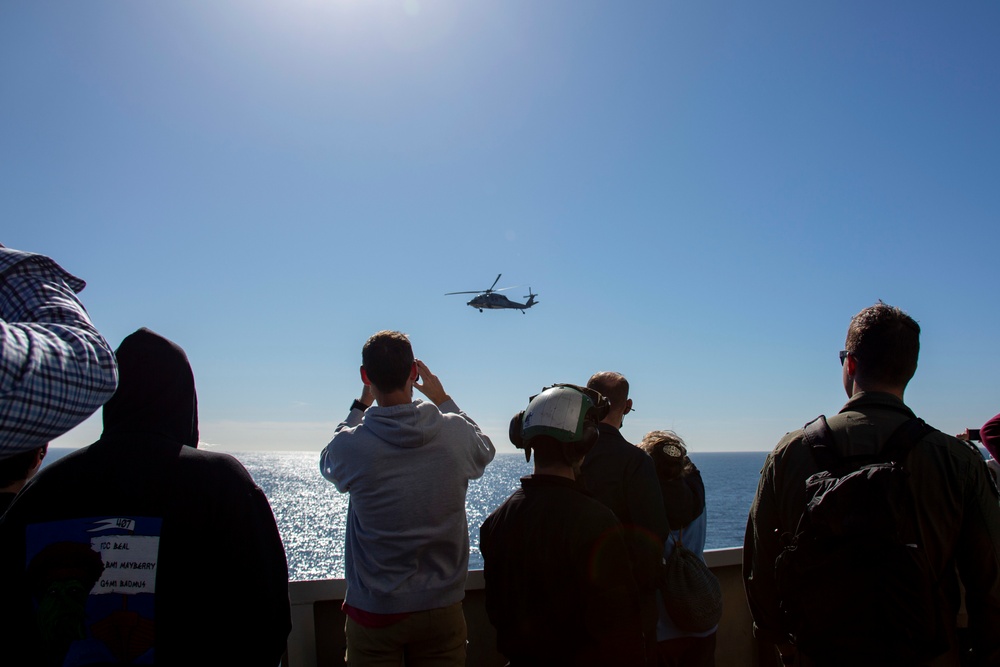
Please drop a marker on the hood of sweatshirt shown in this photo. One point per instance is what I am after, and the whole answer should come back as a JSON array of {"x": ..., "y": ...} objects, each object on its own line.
[
  {"x": 406, "y": 425},
  {"x": 156, "y": 393}
]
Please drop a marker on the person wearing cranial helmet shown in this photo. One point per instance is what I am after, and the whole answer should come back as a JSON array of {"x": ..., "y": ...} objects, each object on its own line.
[
  {"x": 567, "y": 413},
  {"x": 559, "y": 585}
]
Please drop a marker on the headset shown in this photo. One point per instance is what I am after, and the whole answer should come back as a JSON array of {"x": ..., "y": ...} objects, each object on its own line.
[{"x": 568, "y": 427}]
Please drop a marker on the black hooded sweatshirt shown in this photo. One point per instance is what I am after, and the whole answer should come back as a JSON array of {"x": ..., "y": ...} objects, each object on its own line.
[{"x": 178, "y": 547}]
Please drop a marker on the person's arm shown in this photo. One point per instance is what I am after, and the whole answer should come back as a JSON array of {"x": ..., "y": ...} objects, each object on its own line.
[
  {"x": 481, "y": 447},
  {"x": 978, "y": 558},
  {"x": 55, "y": 367},
  {"x": 330, "y": 459},
  {"x": 989, "y": 435},
  {"x": 272, "y": 622},
  {"x": 760, "y": 550}
]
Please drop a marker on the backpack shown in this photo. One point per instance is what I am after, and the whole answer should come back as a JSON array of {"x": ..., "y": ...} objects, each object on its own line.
[
  {"x": 691, "y": 592},
  {"x": 854, "y": 582}
]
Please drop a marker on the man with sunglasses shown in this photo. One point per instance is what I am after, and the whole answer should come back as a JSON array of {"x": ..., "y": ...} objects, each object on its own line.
[{"x": 945, "y": 509}]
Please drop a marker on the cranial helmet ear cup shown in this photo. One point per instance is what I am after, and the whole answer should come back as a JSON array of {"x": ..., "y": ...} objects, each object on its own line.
[
  {"x": 602, "y": 406},
  {"x": 514, "y": 433}
]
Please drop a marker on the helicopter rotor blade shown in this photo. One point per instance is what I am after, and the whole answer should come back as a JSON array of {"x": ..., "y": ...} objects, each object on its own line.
[
  {"x": 469, "y": 292},
  {"x": 494, "y": 282}
]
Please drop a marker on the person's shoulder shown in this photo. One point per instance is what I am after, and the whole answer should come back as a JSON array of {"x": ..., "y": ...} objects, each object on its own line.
[
  {"x": 220, "y": 466},
  {"x": 950, "y": 446},
  {"x": 791, "y": 447},
  {"x": 612, "y": 440},
  {"x": 68, "y": 468},
  {"x": 16, "y": 262},
  {"x": 791, "y": 440},
  {"x": 448, "y": 412},
  {"x": 509, "y": 504},
  {"x": 213, "y": 457},
  {"x": 345, "y": 433},
  {"x": 10, "y": 258}
]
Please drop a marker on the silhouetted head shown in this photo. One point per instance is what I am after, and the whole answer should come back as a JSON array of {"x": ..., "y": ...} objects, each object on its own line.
[
  {"x": 156, "y": 392},
  {"x": 387, "y": 359},
  {"x": 612, "y": 385},
  {"x": 884, "y": 343},
  {"x": 560, "y": 423},
  {"x": 668, "y": 452}
]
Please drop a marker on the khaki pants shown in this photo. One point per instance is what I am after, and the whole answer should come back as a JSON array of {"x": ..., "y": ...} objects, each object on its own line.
[{"x": 432, "y": 638}]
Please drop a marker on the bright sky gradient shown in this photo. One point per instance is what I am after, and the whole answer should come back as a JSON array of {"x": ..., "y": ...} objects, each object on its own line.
[{"x": 701, "y": 193}]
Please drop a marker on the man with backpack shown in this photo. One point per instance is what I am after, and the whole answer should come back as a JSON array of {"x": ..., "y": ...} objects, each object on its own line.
[{"x": 864, "y": 524}]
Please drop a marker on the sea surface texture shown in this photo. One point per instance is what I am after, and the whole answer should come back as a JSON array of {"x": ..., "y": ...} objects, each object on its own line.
[{"x": 311, "y": 514}]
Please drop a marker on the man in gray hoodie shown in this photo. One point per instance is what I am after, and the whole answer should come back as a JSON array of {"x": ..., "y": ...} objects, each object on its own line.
[{"x": 406, "y": 465}]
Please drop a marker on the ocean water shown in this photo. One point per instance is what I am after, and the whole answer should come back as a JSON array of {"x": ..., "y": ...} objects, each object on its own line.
[{"x": 311, "y": 514}]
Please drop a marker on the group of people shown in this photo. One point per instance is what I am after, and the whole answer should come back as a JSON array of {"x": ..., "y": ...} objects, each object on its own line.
[
  {"x": 143, "y": 549},
  {"x": 571, "y": 559}
]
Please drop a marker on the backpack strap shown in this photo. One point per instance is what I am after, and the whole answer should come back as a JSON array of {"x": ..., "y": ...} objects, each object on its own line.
[
  {"x": 904, "y": 438},
  {"x": 818, "y": 436}
]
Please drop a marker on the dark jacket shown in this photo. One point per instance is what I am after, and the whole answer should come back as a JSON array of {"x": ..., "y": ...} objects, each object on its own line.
[
  {"x": 958, "y": 512},
  {"x": 178, "y": 547},
  {"x": 623, "y": 478},
  {"x": 558, "y": 585}
]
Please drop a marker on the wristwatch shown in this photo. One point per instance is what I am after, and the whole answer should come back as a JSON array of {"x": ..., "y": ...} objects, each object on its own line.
[{"x": 358, "y": 405}]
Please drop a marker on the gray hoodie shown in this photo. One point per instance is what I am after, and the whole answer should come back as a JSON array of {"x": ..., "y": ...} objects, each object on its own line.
[{"x": 407, "y": 469}]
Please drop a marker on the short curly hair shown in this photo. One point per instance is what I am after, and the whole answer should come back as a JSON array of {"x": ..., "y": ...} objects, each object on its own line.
[
  {"x": 387, "y": 358},
  {"x": 885, "y": 342}
]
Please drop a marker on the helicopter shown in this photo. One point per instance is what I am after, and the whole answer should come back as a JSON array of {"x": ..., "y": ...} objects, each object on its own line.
[{"x": 490, "y": 299}]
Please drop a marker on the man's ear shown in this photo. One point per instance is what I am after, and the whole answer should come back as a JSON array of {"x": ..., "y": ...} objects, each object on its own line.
[
  {"x": 364, "y": 377},
  {"x": 414, "y": 373},
  {"x": 40, "y": 455}
]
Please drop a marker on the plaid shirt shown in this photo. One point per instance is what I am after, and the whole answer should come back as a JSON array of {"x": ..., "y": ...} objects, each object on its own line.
[{"x": 55, "y": 367}]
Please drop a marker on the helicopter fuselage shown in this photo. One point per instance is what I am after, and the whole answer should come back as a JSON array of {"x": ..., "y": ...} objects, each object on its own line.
[{"x": 494, "y": 301}]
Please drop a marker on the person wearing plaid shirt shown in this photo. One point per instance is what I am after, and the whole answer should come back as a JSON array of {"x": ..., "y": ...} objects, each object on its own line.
[{"x": 55, "y": 367}]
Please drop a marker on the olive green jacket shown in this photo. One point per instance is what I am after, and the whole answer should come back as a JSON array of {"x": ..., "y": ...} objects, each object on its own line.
[{"x": 958, "y": 510}]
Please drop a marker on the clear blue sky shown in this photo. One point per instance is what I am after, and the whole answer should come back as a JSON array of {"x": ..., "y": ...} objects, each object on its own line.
[{"x": 702, "y": 194}]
